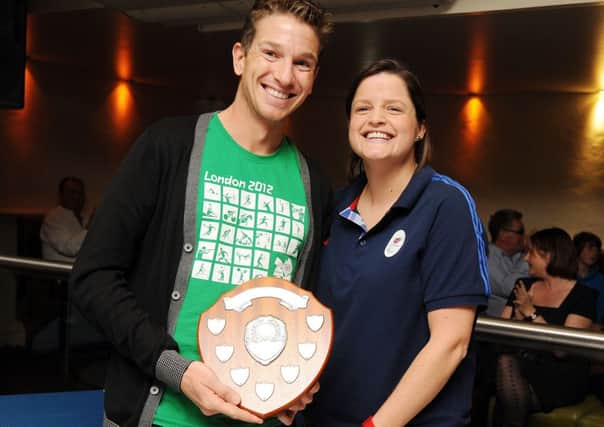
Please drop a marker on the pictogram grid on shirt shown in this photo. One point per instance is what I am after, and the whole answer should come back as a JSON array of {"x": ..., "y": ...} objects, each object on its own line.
[{"x": 245, "y": 234}]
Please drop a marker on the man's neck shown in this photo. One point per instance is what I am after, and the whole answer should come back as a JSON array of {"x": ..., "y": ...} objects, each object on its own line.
[
  {"x": 506, "y": 250},
  {"x": 583, "y": 269},
  {"x": 249, "y": 131}
]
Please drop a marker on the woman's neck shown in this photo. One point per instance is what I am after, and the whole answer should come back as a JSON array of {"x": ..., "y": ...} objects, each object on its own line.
[
  {"x": 384, "y": 187},
  {"x": 385, "y": 184},
  {"x": 558, "y": 282}
]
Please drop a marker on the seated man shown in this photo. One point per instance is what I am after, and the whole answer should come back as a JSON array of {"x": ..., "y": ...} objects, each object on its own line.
[
  {"x": 62, "y": 233},
  {"x": 65, "y": 227},
  {"x": 506, "y": 257}
]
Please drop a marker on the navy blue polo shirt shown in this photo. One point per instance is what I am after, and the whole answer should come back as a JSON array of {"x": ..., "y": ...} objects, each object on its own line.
[{"x": 427, "y": 253}]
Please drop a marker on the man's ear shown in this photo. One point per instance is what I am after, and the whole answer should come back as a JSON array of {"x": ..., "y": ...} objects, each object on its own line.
[{"x": 238, "y": 58}]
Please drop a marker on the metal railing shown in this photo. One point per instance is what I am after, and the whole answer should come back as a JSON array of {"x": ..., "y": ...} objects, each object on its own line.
[
  {"x": 36, "y": 266},
  {"x": 580, "y": 342},
  {"x": 509, "y": 332}
]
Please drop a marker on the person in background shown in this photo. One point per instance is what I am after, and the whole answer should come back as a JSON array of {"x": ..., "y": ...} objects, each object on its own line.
[
  {"x": 404, "y": 270},
  {"x": 197, "y": 200},
  {"x": 65, "y": 226},
  {"x": 539, "y": 381},
  {"x": 589, "y": 250},
  {"x": 506, "y": 257},
  {"x": 506, "y": 264}
]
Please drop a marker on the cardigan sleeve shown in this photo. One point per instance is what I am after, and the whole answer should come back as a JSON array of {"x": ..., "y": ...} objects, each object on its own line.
[
  {"x": 322, "y": 202},
  {"x": 99, "y": 283}
]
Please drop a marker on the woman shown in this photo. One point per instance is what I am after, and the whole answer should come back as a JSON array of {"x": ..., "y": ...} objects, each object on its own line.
[
  {"x": 403, "y": 270},
  {"x": 538, "y": 381}
]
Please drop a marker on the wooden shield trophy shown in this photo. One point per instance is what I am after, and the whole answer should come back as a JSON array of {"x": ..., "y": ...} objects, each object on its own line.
[{"x": 269, "y": 340}]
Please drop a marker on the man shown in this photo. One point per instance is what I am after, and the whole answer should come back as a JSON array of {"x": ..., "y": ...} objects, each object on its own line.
[
  {"x": 589, "y": 251},
  {"x": 506, "y": 265},
  {"x": 193, "y": 212},
  {"x": 64, "y": 227},
  {"x": 506, "y": 257}
]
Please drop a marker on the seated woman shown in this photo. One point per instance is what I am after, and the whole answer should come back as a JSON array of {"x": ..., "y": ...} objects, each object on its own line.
[
  {"x": 403, "y": 270},
  {"x": 529, "y": 381}
]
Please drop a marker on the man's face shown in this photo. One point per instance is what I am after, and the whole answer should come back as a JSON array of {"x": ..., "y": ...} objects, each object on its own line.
[
  {"x": 72, "y": 196},
  {"x": 590, "y": 254},
  {"x": 278, "y": 71},
  {"x": 514, "y": 235}
]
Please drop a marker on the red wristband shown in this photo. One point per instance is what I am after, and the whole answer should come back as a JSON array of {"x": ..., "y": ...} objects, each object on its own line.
[{"x": 368, "y": 422}]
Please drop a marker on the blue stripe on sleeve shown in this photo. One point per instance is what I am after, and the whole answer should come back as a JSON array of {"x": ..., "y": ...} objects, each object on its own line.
[{"x": 478, "y": 230}]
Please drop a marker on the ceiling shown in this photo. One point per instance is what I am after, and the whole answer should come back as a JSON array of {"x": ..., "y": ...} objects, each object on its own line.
[{"x": 217, "y": 15}]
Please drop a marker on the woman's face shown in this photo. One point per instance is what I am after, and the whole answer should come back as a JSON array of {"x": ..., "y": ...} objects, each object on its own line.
[
  {"x": 383, "y": 125},
  {"x": 537, "y": 261}
]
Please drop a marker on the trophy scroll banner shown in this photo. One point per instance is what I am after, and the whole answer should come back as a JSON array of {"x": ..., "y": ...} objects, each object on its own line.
[{"x": 269, "y": 340}]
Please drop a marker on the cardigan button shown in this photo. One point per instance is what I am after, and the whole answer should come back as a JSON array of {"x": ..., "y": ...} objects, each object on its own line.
[
  {"x": 363, "y": 242},
  {"x": 175, "y": 295},
  {"x": 188, "y": 248},
  {"x": 154, "y": 390}
]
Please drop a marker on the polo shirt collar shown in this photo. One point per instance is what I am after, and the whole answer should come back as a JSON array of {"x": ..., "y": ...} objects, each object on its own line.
[
  {"x": 419, "y": 181},
  {"x": 408, "y": 198}
]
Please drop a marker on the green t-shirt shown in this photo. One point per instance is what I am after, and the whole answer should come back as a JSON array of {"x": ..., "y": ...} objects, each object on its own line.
[{"x": 252, "y": 221}]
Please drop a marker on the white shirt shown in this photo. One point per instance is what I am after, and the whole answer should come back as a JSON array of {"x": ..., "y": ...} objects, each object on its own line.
[
  {"x": 504, "y": 270},
  {"x": 62, "y": 235}
]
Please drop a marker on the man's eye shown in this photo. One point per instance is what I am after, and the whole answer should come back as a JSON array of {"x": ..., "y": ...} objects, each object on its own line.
[
  {"x": 269, "y": 54},
  {"x": 304, "y": 65}
]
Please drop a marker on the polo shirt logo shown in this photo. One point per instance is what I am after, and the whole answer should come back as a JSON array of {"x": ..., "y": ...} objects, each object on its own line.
[{"x": 395, "y": 244}]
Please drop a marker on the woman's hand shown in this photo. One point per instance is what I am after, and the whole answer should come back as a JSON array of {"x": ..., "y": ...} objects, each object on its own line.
[
  {"x": 287, "y": 416},
  {"x": 523, "y": 302}
]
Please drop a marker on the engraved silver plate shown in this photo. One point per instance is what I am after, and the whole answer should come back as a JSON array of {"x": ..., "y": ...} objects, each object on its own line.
[
  {"x": 290, "y": 373},
  {"x": 265, "y": 338},
  {"x": 240, "y": 375},
  {"x": 307, "y": 350},
  {"x": 224, "y": 352},
  {"x": 264, "y": 391},
  {"x": 314, "y": 322},
  {"x": 216, "y": 326}
]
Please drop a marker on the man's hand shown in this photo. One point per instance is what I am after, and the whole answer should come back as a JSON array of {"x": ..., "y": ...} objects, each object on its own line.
[
  {"x": 287, "y": 416},
  {"x": 204, "y": 389}
]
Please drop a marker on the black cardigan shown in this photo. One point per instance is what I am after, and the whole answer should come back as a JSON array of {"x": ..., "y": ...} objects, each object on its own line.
[{"x": 126, "y": 268}]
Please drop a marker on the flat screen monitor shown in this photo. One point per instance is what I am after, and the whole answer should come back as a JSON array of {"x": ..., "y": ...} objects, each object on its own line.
[{"x": 13, "y": 21}]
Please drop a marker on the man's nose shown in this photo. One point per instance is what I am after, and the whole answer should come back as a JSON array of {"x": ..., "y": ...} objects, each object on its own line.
[{"x": 284, "y": 72}]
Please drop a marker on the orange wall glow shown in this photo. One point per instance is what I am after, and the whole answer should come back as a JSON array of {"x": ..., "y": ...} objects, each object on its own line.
[
  {"x": 474, "y": 118},
  {"x": 122, "y": 105},
  {"x": 124, "y": 49},
  {"x": 477, "y": 61}
]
